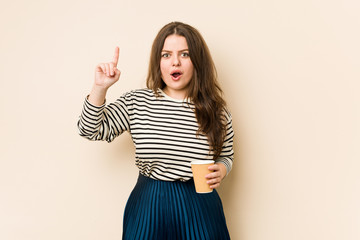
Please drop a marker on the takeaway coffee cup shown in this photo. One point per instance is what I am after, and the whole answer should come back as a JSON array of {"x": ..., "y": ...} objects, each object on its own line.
[{"x": 200, "y": 170}]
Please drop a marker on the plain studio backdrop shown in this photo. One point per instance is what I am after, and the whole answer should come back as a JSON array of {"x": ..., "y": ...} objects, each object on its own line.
[{"x": 290, "y": 71}]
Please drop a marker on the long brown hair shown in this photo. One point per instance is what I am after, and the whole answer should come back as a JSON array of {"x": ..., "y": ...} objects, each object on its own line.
[{"x": 204, "y": 90}]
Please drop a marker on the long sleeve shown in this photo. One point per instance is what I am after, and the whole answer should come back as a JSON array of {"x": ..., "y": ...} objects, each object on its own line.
[
  {"x": 227, "y": 154},
  {"x": 164, "y": 132},
  {"x": 104, "y": 123}
]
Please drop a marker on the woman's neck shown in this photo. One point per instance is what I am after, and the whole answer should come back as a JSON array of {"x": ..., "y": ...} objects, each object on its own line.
[{"x": 176, "y": 94}]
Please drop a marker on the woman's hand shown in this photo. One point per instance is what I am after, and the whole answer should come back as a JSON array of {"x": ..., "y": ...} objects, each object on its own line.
[
  {"x": 106, "y": 74},
  {"x": 214, "y": 178}
]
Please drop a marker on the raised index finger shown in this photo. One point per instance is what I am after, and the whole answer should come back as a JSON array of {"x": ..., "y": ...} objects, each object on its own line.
[{"x": 116, "y": 56}]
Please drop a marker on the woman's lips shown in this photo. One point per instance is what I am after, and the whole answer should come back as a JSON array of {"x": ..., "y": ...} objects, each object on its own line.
[{"x": 176, "y": 75}]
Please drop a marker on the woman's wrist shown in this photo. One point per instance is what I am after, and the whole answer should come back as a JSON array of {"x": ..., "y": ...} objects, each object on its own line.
[{"x": 97, "y": 95}]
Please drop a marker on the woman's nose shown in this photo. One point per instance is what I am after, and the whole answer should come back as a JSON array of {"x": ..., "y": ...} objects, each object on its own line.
[{"x": 176, "y": 61}]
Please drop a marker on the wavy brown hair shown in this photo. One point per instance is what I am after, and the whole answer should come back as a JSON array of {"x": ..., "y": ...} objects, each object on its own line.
[{"x": 204, "y": 90}]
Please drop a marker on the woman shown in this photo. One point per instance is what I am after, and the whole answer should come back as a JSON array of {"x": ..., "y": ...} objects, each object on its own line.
[{"x": 180, "y": 116}]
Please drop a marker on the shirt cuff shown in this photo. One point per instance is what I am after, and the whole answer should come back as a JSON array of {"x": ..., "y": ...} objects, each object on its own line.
[
  {"x": 92, "y": 106},
  {"x": 227, "y": 164}
]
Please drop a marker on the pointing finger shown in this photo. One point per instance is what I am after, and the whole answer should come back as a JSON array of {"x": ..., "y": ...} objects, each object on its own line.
[{"x": 116, "y": 56}]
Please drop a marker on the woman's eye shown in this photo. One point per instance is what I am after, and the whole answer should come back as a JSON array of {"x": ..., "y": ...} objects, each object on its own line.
[
  {"x": 185, "y": 54},
  {"x": 165, "y": 55}
]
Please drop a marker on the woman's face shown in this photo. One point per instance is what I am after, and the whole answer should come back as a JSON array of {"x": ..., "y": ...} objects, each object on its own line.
[{"x": 176, "y": 66}]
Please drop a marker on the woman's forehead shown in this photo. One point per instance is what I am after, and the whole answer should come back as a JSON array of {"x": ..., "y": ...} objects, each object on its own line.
[{"x": 175, "y": 43}]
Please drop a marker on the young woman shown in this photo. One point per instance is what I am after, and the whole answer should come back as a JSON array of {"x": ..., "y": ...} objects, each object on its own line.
[{"x": 181, "y": 116}]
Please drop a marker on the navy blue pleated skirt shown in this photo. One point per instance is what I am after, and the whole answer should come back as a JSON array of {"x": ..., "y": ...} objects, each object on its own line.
[{"x": 164, "y": 210}]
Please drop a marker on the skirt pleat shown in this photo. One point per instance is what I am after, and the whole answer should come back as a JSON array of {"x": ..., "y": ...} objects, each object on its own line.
[{"x": 164, "y": 210}]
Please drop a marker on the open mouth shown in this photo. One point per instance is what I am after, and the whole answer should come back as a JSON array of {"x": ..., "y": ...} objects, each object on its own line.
[{"x": 176, "y": 75}]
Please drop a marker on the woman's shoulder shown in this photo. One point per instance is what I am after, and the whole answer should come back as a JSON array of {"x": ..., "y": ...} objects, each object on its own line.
[
  {"x": 227, "y": 114},
  {"x": 139, "y": 93}
]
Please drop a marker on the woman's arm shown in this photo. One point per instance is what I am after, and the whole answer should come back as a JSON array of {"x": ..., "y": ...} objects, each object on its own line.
[
  {"x": 100, "y": 122},
  {"x": 223, "y": 164}
]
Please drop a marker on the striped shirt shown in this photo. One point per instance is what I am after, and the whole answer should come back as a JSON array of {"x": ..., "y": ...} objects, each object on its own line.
[{"x": 163, "y": 129}]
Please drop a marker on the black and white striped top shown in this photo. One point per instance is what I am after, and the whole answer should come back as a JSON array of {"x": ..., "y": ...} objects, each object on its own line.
[{"x": 163, "y": 130}]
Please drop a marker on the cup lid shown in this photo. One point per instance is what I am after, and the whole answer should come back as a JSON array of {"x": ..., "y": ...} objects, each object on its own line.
[{"x": 202, "y": 162}]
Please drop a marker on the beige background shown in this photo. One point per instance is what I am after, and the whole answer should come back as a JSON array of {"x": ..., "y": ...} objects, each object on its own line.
[{"x": 290, "y": 71}]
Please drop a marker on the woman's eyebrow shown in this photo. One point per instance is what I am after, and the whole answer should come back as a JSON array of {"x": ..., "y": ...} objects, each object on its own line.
[{"x": 164, "y": 50}]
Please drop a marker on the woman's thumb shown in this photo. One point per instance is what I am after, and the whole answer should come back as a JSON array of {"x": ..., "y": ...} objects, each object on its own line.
[{"x": 117, "y": 72}]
